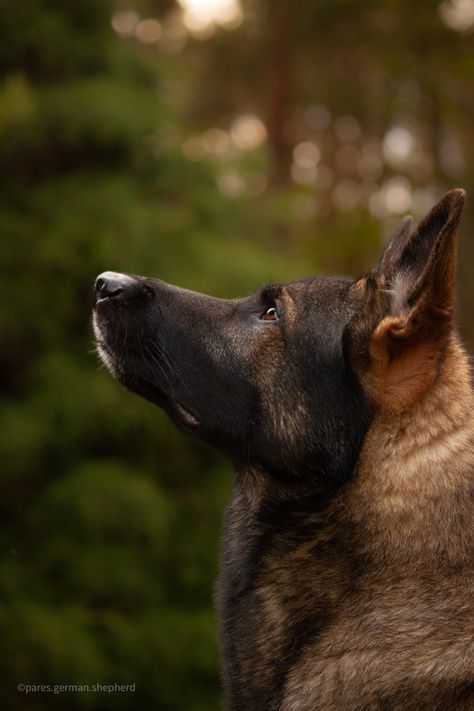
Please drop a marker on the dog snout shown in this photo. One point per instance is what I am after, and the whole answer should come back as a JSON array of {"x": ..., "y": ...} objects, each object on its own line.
[{"x": 111, "y": 285}]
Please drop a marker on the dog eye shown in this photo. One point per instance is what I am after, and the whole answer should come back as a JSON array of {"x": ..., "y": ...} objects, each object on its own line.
[{"x": 270, "y": 314}]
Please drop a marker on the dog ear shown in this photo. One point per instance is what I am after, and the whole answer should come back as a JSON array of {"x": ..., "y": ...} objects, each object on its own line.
[
  {"x": 393, "y": 250},
  {"x": 413, "y": 297}
]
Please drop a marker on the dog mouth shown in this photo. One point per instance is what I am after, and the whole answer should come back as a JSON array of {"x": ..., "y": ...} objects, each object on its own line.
[
  {"x": 179, "y": 412},
  {"x": 175, "y": 409},
  {"x": 186, "y": 417}
]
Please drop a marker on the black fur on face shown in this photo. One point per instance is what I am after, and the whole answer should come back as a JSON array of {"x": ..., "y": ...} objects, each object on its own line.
[{"x": 262, "y": 378}]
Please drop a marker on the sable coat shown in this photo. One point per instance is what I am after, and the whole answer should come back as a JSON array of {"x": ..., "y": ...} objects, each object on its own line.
[{"x": 347, "y": 409}]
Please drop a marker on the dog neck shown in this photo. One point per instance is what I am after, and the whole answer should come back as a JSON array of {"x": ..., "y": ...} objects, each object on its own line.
[
  {"x": 414, "y": 471},
  {"x": 414, "y": 481}
]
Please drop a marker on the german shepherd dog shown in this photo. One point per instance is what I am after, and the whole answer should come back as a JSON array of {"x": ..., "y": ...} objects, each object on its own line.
[{"x": 347, "y": 410}]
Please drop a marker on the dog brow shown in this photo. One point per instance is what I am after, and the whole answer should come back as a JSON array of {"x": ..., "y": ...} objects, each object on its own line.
[{"x": 271, "y": 291}]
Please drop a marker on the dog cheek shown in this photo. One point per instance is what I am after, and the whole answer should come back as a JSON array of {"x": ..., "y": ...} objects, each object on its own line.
[{"x": 288, "y": 422}]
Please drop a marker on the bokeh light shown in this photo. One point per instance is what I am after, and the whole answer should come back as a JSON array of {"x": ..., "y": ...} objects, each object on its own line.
[
  {"x": 248, "y": 132},
  {"x": 304, "y": 174},
  {"x": 231, "y": 184},
  {"x": 148, "y": 31},
  {"x": 458, "y": 14},
  {"x": 217, "y": 141},
  {"x": 306, "y": 154},
  {"x": 201, "y": 16},
  {"x": 124, "y": 22},
  {"x": 394, "y": 197},
  {"x": 398, "y": 145},
  {"x": 346, "y": 195}
]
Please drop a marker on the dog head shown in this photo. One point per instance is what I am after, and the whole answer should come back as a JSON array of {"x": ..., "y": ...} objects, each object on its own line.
[{"x": 286, "y": 379}]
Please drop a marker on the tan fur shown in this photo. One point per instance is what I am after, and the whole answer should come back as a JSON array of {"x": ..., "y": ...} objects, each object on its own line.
[
  {"x": 412, "y": 617},
  {"x": 399, "y": 373},
  {"x": 416, "y": 463},
  {"x": 359, "y": 287}
]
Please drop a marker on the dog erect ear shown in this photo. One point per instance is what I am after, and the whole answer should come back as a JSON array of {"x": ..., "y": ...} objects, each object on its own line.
[
  {"x": 413, "y": 299},
  {"x": 393, "y": 250},
  {"x": 418, "y": 268}
]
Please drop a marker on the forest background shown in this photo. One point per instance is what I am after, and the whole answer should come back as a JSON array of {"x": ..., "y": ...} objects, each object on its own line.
[{"x": 218, "y": 145}]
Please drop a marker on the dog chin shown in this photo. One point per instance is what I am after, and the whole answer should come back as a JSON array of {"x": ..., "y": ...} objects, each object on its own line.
[
  {"x": 180, "y": 415},
  {"x": 152, "y": 392},
  {"x": 103, "y": 352}
]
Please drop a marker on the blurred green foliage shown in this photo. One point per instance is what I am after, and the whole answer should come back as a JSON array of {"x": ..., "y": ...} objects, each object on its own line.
[{"x": 110, "y": 519}]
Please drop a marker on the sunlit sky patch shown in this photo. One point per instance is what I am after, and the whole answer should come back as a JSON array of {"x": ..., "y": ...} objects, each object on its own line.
[{"x": 201, "y": 16}]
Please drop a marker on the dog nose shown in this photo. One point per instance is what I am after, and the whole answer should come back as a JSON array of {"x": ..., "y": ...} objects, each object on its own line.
[{"x": 111, "y": 284}]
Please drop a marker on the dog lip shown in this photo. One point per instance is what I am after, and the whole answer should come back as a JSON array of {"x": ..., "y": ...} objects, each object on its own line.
[
  {"x": 151, "y": 391},
  {"x": 101, "y": 299},
  {"x": 184, "y": 415}
]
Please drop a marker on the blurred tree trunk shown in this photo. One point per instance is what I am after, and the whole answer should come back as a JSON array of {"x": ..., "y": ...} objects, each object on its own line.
[{"x": 280, "y": 90}]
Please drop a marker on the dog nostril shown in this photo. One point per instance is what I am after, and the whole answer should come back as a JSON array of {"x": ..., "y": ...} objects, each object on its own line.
[
  {"x": 105, "y": 289},
  {"x": 100, "y": 285},
  {"x": 110, "y": 284}
]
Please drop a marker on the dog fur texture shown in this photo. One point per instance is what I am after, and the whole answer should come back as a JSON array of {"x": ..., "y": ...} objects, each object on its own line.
[{"x": 347, "y": 409}]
